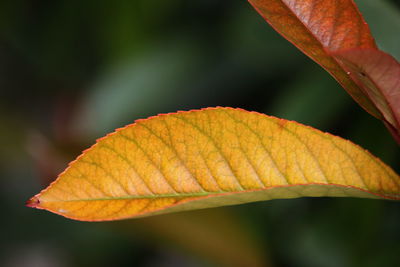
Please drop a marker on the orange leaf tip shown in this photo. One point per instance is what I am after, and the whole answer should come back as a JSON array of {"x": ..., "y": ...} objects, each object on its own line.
[{"x": 33, "y": 202}]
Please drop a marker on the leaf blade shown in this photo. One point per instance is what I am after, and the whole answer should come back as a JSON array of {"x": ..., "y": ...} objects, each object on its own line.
[
  {"x": 318, "y": 28},
  {"x": 378, "y": 75},
  {"x": 209, "y": 158}
]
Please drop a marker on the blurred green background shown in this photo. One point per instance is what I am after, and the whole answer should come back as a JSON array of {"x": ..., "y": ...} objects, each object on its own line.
[{"x": 72, "y": 71}]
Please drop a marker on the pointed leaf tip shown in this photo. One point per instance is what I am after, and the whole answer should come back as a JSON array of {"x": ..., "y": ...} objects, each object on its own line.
[
  {"x": 209, "y": 158},
  {"x": 33, "y": 202}
]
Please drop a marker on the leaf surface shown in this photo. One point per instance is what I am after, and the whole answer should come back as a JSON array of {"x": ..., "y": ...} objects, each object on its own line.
[
  {"x": 209, "y": 158},
  {"x": 378, "y": 75},
  {"x": 318, "y": 27}
]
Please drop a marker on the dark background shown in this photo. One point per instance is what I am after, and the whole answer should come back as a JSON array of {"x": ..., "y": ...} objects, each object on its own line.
[{"x": 72, "y": 71}]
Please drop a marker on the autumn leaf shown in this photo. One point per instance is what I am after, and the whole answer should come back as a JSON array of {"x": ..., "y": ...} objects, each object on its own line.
[
  {"x": 319, "y": 27},
  {"x": 209, "y": 158},
  {"x": 328, "y": 31},
  {"x": 378, "y": 75}
]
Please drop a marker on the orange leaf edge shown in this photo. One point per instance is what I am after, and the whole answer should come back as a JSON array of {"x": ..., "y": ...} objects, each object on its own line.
[{"x": 34, "y": 202}]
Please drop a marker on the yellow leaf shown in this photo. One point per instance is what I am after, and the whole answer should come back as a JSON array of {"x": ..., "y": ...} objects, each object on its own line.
[{"x": 209, "y": 158}]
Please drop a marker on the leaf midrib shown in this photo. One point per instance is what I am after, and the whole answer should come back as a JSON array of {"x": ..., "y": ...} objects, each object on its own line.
[{"x": 220, "y": 193}]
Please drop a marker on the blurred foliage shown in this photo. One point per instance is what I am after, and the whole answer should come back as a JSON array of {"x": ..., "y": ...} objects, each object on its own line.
[{"x": 72, "y": 71}]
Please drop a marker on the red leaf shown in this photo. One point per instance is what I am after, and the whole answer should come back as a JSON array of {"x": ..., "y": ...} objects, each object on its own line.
[
  {"x": 378, "y": 75},
  {"x": 318, "y": 27}
]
